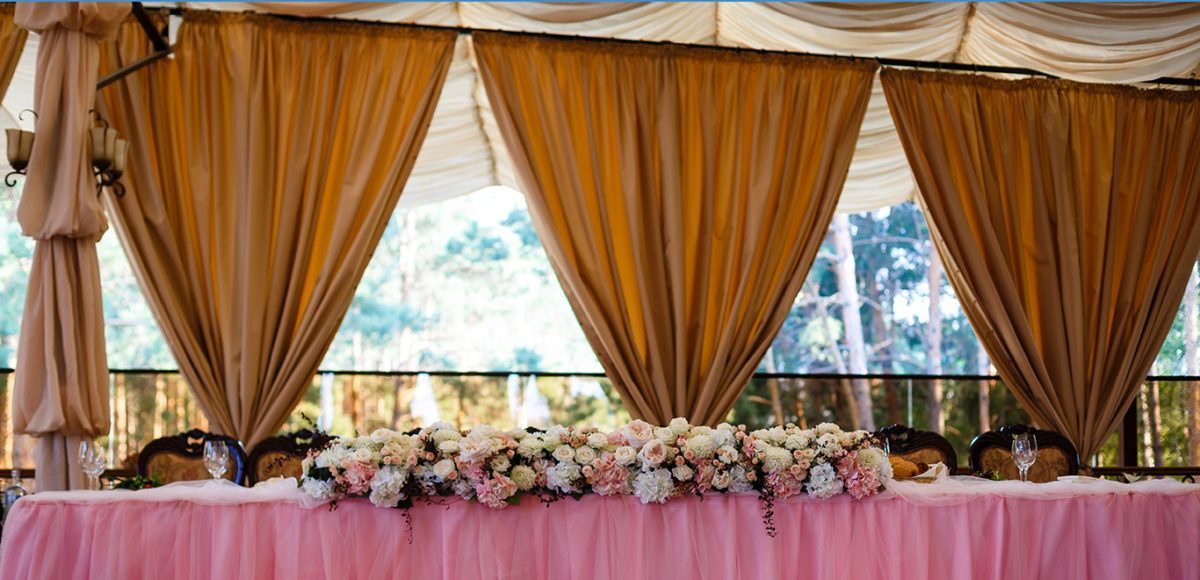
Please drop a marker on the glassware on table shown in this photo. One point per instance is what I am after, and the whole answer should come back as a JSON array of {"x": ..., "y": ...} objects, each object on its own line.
[
  {"x": 92, "y": 459},
  {"x": 1024, "y": 453},
  {"x": 216, "y": 458},
  {"x": 13, "y": 492}
]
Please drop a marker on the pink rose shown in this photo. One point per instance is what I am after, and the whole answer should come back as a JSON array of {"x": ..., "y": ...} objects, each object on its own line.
[{"x": 653, "y": 453}]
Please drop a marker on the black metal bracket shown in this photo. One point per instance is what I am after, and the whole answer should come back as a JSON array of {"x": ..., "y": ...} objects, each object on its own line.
[{"x": 157, "y": 40}]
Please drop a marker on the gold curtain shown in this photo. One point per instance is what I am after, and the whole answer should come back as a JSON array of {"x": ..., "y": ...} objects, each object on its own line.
[
  {"x": 12, "y": 44},
  {"x": 60, "y": 391},
  {"x": 1067, "y": 216},
  {"x": 681, "y": 194},
  {"x": 266, "y": 159}
]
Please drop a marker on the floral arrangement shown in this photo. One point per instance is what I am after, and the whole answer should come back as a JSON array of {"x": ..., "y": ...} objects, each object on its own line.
[
  {"x": 496, "y": 468},
  {"x": 135, "y": 482}
]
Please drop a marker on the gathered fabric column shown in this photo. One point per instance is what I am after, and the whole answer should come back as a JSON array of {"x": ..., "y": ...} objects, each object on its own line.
[
  {"x": 60, "y": 392},
  {"x": 681, "y": 194},
  {"x": 1067, "y": 216},
  {"x": 265, "y": 161}
]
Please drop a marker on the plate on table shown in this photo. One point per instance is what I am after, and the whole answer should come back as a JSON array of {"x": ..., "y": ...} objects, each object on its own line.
[{"x": 1077, "y": 478}]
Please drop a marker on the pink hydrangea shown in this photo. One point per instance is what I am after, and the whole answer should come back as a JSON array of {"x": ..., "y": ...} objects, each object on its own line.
[
  {"x": 783, "y": 483},
  {"x": 493, "y": 491},
  {"x": 357, "y": 477},
  {"x": 861, "y": 483},
  {"x": 608, "y": 477}
]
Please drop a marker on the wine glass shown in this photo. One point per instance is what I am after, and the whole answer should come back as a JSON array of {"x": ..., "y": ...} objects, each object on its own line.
[
  {"x": 216, "y": 458},
  {"x": 1024, "y": 452},
  {"x": 92, "y": 461}
]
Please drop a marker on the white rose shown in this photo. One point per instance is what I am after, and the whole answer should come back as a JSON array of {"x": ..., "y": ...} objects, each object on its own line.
[
  {"x": 665, "y": 434},
  {"x": 682, "y": 472},
  {"x": 443, "y": 468},
  {"x": 721, "y": 480},
  {"x": 727, "y": 454},
  {"x": 585, "y": 455},
  {"x": 638, "y": 432},
  {"x": 364, "y": 454},
  {"x": 564, "y": 453},
  {"x": 680, "y": 425},
  {"x": 442, "y": 435},
  {"x": 598, "y": 440},
  {"x": 653, "y": 453},
  {"x": 448, "y": 447},
  {"x": 524, "y": 476},
  {"x": 625, "y": 455},
  {"x": 501, "y": 463}
]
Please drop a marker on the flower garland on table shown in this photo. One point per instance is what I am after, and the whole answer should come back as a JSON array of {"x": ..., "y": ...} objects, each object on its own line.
[{"x": 496, "y": 468}]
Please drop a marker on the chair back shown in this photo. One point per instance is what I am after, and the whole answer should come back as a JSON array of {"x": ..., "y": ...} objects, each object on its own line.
[
  {"x": 181, "y": 458},
  {"x": 1056, "y": 456},
  {"x": 917, "y": 446},
  {"x": 282, "y": 455}
]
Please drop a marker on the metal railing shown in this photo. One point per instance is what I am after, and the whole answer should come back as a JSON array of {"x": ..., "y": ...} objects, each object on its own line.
[{"x": 150, "y": 403}]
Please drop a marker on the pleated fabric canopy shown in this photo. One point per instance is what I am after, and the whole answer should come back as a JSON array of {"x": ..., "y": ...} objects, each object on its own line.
[{"x": 1122, "y": 43}]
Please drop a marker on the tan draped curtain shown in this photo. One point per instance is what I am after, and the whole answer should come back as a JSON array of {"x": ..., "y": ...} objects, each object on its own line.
[
  {"x": 1067, "y": 215},
  {"x": 60, "y": 392},
  {"x": 266, "y": 159},
  {"x": 681, "y": 195}
]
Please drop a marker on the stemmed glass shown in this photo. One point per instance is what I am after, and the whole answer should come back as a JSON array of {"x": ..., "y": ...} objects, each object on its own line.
[
  {"x": 1024, "y": 453},
  {"x": 92, "y": 460},
  {"x": 216, "y": 458}
]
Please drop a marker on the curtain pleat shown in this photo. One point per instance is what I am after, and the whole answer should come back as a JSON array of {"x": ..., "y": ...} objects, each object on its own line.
[
  {"x": 1067, "y": 216},
  {"x": 681, "y": 195},
  {"x": 266, "y": 159}
]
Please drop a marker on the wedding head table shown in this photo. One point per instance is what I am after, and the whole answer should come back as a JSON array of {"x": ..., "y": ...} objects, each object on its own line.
[{"x": 954, "y": 528}]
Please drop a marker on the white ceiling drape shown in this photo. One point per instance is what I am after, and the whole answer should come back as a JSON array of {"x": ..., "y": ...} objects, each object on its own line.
[{"x": 1127, "y": 42}]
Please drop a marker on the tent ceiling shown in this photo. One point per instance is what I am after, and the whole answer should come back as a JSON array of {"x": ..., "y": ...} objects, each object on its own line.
[{"x": 1123, "y": 43}]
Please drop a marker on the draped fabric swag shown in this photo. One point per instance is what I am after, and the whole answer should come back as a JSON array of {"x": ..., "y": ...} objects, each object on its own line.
[
  {"x": 60, "y": 392},
  {"x": 1067, "y": 216},
  {"x": 266, "y": 159},
  {"x": 681, "y": 194},
  {"x": 12, "y": 44}
]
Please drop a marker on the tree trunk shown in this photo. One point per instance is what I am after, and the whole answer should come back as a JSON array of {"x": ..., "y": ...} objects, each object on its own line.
[
  {"x": 773, "y": 387},
  {"x": 852, "y": 411},
  {"x": 879, "y": 322},
  {"x": 982, "y": 367},
  {"x": 847, "y": 285},
  {"x": 933, "y": 342},
  {"x": 1191, "y": 342}
]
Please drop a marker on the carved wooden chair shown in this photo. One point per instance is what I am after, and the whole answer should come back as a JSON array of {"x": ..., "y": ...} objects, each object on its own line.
[
  {"x": 181, "y": 458},
  {"x": 281, "y": 456},
  {"x": 1056, "y": 456},
  {"x": 920, "y": 446}
]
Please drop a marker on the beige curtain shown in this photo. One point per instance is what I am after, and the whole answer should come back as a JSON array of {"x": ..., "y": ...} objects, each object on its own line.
[
  {"x": 681, "y": 194},
  {"x": 265, "y": 161},
  {"x": 60, "y": 392},
  {"x": 1067, "y": 216}
]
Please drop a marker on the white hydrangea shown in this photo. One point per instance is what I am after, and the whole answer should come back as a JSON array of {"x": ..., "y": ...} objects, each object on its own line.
[
  {"x": 524, "y": 476},
  {"x": 653, "y": 486},
  {"x": 386, "y": 486},
  {"x": 562, "y": 477},
  {"x": 702, "y": 446},
  {"x": 318, "y": 490},
  {"x": 723, "y": 437},
  {"x": 740, "y": 483},
  {"x": 797, "y": 440},
  {"x": 823, "y": 481},
  {"x": 826, "y": 428}
]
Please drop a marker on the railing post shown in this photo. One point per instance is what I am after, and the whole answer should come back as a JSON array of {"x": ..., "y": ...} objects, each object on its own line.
[{"x": 1127, "y": 452}]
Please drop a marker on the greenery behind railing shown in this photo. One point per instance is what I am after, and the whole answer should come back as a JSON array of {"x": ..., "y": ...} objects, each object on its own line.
[{"x": 146, "y": 404}]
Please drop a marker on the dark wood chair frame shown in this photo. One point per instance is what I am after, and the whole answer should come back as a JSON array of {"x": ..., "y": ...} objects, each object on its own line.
[
  {"x": 1003, "y": 438},
  {"x": 191, "y": 444},
  {"x": 296, "y": 443},
  {"x": 903, "y": 439}
]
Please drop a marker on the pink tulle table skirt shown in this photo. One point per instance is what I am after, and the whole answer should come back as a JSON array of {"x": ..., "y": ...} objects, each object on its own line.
[{"x": 908, "y": 532}]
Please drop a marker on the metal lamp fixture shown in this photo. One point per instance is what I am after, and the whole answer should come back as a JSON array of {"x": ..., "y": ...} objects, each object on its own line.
[
  {"x": 108, "y": 157},
  {"x": 20, "y": 146}
]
